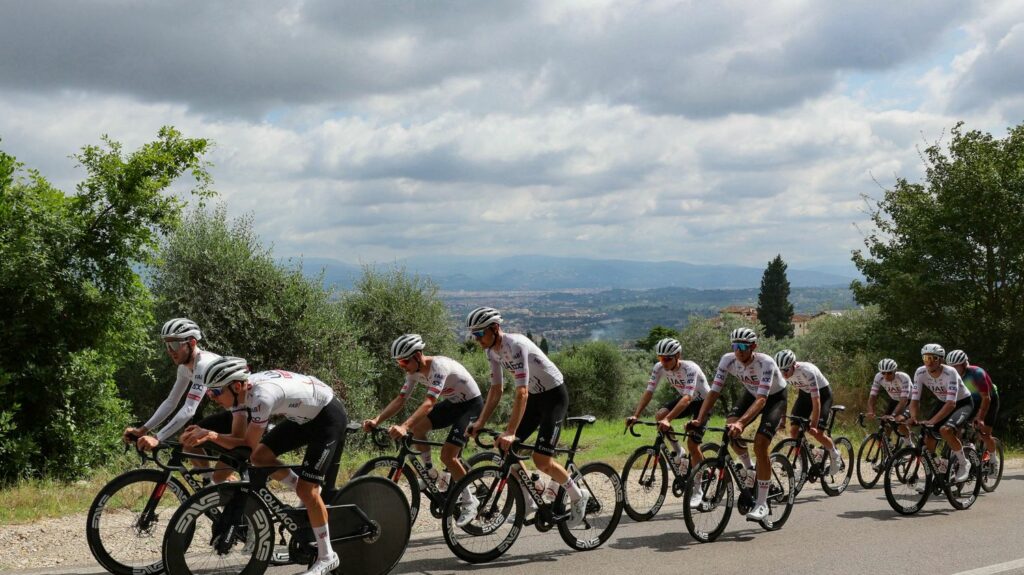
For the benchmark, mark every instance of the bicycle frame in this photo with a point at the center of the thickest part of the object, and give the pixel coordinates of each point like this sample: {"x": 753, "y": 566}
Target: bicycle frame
{"x": 660, "y": 447}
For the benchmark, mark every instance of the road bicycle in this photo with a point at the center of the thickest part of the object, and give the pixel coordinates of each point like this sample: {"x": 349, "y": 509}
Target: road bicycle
{"x": 411, "y": 475}
{"x": 230, "y": 528}
{"x": 877, "y": 448}
{"x": 717, "y": 478}
{"x": 992, "y": 465}
{"x": 501, "y": 513}
{"x": 914, "y": 473}
{"x": 126, "y": 521}
{"x": 811, "y": 464}
{"x": 645, "y": 474}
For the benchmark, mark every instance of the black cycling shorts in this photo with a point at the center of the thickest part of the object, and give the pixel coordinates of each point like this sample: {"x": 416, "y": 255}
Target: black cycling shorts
{"x": 691, "y": 412}
{"x": 771, "y": 414}
{"x": 803, "y": 406}
{"x": 456, "y": 415}
{"x": 544, "y": 414}
{"x": 993, "y": 408}
{"x": 960, "y": 415}
{"x": 324, "y": 438}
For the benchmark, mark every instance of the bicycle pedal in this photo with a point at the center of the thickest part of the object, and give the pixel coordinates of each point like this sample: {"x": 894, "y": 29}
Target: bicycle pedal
{"x": 281, "y": 558}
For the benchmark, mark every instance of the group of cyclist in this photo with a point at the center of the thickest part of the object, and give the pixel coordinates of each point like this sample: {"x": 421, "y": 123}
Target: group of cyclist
{"x": 315, "y": 418}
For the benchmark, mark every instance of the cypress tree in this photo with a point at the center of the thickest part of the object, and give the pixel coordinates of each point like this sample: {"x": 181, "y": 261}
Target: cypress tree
{"x": 773, "y": 308}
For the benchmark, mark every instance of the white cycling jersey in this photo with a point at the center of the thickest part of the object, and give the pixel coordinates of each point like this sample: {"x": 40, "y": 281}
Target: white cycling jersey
{"x": 190, "y": 381}
{"x": 528, "y": 364}
{"x": 898, "y": 389}
{"x": 808, "y": 378}
{"x": 448, "y": 379}
{"x": 761, "y": 376}
{"x": 687, "y": 379}
{"x": 297, "y": 397}
{"x": 947, "y": 387}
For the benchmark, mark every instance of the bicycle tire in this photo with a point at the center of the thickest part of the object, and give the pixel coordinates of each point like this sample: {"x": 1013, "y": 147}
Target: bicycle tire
{"x": 644, "y": 493}
{"x": 384, "y": 504}
{"x": 963, "y": 495}
{"x": 908, "y": 481}
{"x": 717, "y": 486}
{"x": 797, "y": 457}
{"x": 408, "y": 481}
{"x": 604, "y": 508}
{"x": 836, "y": 484}
{"x": 483, "y": 458}
{"x": 781, "y": 493}
{"x": 126, "y": 495}
{"x": 992, "y": 470}
{"x": 486, "y": 537}
{"x": 189, "y": 543}
{"x": 870, "y": 461}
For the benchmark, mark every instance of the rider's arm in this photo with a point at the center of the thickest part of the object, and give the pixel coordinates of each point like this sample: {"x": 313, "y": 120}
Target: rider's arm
{"x": 192, "y": 401}
{"x": 181, "y": 383}
{"x": 521, "y": 394}
{"x": 421, "y": 411}
{"x": 391, "y": 408}
{"x": 986, "y": 400}
{"x": 709, "y": 403}
{"x": 815, "y": 411}
{"x": 755, "y": 408}
{"x": 493, "y": 397}
{"x": 872, "y": 399}
{"x": 652, "y": 384}
{"x": 644, "y": 400}
{"x": 680, "y": 407}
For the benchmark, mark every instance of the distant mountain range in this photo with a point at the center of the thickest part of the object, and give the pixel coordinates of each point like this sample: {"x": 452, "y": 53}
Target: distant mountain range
{"x": 545, "y": 273}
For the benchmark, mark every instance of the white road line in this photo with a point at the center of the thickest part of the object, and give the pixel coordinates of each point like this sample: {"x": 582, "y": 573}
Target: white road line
{"x": 1016, "y": 566}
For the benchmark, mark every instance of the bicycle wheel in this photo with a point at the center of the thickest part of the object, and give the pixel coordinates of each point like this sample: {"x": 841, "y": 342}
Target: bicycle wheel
{"x": 908, "y": 481}
{"x": 483, "y": 458}
{"x": 707, "y": 521}
{"x": 797, "y": 458}
{"x": 124, "y": 536}
{"x": 870, "y": 461}
{"x": 604, "y": 508}
{"x": 645, "y": 483}
{"x": 781, "y": 492}
{"x": 384, "y": 505}
{"x": 220, "y": 529}
{"x": 836, "y": 484}
{"x": 498, "y": 521}
{"x": 406, "y": 479}
{"x": 992, "y": 470}
{"x": 962, "y": 495}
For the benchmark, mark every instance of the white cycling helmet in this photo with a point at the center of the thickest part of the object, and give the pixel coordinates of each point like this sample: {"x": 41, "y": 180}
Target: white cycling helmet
{"x": 887, "y": 365}
{"x": 956, "y": 357}
{"x": 786, "y": 359}
{"x": 743, "y": 335}
{"x": 180, "y": 328}
{"x": 222, "y": 371}
{"x": 406, "y": 346}
{"x": 668, "y": 346}
{"x": 482, "y": 317}
{"x": 933, "y": 349}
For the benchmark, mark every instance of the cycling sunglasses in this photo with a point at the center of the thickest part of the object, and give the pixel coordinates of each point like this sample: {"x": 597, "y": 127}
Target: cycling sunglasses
{"x": 478, "y": 333}
{"x": 741, "y": 346}
{"x": 175, "y": 345}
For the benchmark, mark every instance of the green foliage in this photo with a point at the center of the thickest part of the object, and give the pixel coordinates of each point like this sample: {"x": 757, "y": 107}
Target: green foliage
{"x": 657, "y": 333}
{"x": 386, "y": 304}
{"x": 596, "y": 376}
{"x": 944, "y": 262}
{"x": 774, "y": 310}
{"x": 544, "y": 345}
{"x": 73, "y": 305}
{"x": 217, "y": 273}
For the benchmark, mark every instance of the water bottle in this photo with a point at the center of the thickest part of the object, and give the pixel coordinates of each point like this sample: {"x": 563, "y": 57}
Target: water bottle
{"x": 817, "y": 454}
{"x": 550, "y": 491}
{"x": 443, "y": 479}
{"x": 539, "y": 484}
{"x": 941, "y": 464}
{"x": 431, "y": 473}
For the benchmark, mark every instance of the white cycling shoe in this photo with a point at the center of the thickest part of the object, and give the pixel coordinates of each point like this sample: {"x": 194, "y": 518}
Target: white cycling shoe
{"x": 697, "y": 499}
{"x": 324, "y": 565}
{"x": 835, "y": 466}
{"x": 962, "y": 473}
{"x": 467, "y": 509}
{"x": 579, "y": 509}
{"x": 758, "y": 513}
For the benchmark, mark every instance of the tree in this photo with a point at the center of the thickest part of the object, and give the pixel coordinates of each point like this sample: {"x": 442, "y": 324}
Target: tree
{"x": 544, "y": 344}
{"x": 386, "y": 304}
{"x": 657, "y": 333}
{"x": 773, "y": 308}
{"x": 944, "y": 262}
{"x": 595, "y": 377}
{"x": 74, "y": 309}
{"x": 217, "y": 273}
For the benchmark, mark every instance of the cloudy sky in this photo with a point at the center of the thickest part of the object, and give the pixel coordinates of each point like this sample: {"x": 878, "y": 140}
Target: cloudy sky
{"x": 707, "y": 132}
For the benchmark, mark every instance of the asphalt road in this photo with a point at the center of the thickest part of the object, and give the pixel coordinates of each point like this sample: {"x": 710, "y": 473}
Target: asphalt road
{"x": 855, "y": 533}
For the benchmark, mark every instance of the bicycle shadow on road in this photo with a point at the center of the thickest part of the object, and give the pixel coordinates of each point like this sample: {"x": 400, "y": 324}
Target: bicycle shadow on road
{"x": 889, "y": 514}
{"x": 454, "y": 565}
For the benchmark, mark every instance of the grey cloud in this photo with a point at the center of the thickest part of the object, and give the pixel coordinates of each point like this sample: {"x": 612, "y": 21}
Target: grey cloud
{"x": 997, "y": 73}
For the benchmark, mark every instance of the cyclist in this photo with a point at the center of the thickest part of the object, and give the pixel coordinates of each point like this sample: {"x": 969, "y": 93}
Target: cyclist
{"x": 314, "y": 418}
{"x": 984, "y": 393}
{"x": 687, "y": 378}
{"x": 764, "y": 395}
{"x": 181, "y": 341}
{"x": 540, "y": 402}
{"x": 443, "y": 377}
{"x": 954, "y": 411}
{"x": 897, "y": 385}
{"x": 813, "y": 402}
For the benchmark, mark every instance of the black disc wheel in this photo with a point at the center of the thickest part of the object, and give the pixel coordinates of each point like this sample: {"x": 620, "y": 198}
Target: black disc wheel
{"x": 377, "y": 507}
{"x": 404, "y": 476}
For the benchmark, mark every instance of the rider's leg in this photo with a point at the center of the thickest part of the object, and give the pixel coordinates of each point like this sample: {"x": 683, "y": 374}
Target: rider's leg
{"x": 420, "y": 431}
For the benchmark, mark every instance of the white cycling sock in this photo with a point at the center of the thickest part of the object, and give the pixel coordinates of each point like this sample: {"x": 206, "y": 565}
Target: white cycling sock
{"x": 961, "y": 458}
{"x": 745, "y": 458}
{"x": 292, "y": 481}
{"x": 762, "y": 491}
{"x": 573, "y": 490}
{"x": 676, "y": 446}
{"x": 323, "y": 541}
